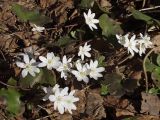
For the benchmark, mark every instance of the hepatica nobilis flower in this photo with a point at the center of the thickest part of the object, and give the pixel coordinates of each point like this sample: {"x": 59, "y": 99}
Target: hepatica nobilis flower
{"x": 49, "y": 91}
{"x": 51, "y": 61}
{"x": 81, "y": 72}
{"x": 144, "y": 43}
{"x": 37, "y": 28}
{"x": 90, "y": 21}
{"x": 63, "y": 101}
{"x": 65, "y": 67}
{"x": 84, "y": 51}
{"x": 135, "y": 45}
{"x": 94, "y": 70}
{"x": 28, "y": 66}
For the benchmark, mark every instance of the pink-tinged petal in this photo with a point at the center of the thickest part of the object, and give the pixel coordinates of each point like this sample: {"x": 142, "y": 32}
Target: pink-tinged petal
{"x": 75, "y": 99}
{"x": 50, "y": 55}
{"x": 79, "y": 66}
{"x": 92, "y": 15}
{"x": 32, "y": 61}
{"x": 132, "y": 38}
{"x": 43, "y": 59}
{"x": 89, "y": 12}
{"x": 49, "y": 67}
{"x": 95, "y": 21}
{"x": 64, "y": 59}
{"x": 85, "y": 16}
{"x": 94, "y": 26}
{"x": 64, "y": 91}
{"x": 100, "y": 69}
{"x": 82, "y": 57}
{"x": 32, "y": 73}
{"x": 26, "y": 58}
{"x": 90, "y": 27}
{"x": 141, "y": 35}
{"x": 24, "y": 73}
{"x": 37, "y": 70}
{"x": 52, "y": 98}
{"x": 72, "y": 92}
{"x": 95, "y": 64}
{"x": 61, "y": 109}
{"x": 118, "y": 37}
{"x": 87, "y": 54}
{"x": 20, "y": 64}
{"x": 86, "y": 79}
{"x": 42, "y": 64}
{"x": 45, "y": 89}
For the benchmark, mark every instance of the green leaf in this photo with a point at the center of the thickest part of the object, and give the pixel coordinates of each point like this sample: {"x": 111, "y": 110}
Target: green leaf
{"x": 44, "y": 76}
{"x": 28, "y": 15}
{"x": 149, "y": 66}
{"x": 113, "y": 81}
{"x": 140, "y": 16}
{"x": 158, "y": 59}
{"x": 101, "y": 61}
{"x": 87, "y": 3}
{"x": 154, "y": 91}
{"x": 64, "y": 41}
{"x": 104, "y": 89}
{"x": 49, "y": 77}
{"x": 13, "y": 100}
{"x": 12, "y": 82}
{"x": 156, "y": 76}
{"x": 108, "y": 27}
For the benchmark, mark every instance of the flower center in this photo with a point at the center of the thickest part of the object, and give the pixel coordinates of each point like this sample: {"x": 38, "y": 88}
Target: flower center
{"x": 68, "y": 101}
{"x": 89, "y": 20}
{"x": 49, "y": 61}
{"x": 59, "y": 98}
{"x": 82, "y": 74}
{"x": 28, "y": 67}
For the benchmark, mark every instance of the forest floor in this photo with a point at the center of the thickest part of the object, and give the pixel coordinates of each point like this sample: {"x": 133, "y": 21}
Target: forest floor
{"x": 129, "y": 87}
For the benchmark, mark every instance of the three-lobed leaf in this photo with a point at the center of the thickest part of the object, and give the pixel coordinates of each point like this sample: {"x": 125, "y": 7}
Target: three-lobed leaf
{"x": 13, "y": 100}
{"x": 108, "y": 26}
{"x": 28, "y": 15}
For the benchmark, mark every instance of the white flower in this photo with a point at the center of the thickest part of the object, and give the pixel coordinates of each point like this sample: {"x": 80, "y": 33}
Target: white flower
{"x": 131, "y": 44}
{"x": 28, "y": 66}
{"x": 58, "y": 99}
{"x": 69, "y": 102}
{"x": 144, "y": 42}
{"x": 65, "y": 67}
{"x": 82, "y": 72}
{"x": 84, "y": 51}
{"x": 121, "y": 39}
{"x": 95, "y": 70}
{"x": 90, "y": 21}
{"x": 49, "y": 91}
{"x": 63, "y": 101}
{"x": 38, "y": 28}
{"x": 51, "y": 61}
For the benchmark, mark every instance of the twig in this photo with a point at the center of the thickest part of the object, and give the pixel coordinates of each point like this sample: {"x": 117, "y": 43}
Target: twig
{"x": 41, "y": 118}
{"x": 144, "y": 68}
{"x": 128, "y": 57}
{"x": 13, "y": 86}
{"x": 3, "y": 55}
{"x": 144, "y": 2}
{"x": 150, "y": 8}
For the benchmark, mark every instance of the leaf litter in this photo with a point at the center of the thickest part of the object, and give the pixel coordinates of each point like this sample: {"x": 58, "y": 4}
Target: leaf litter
{"x": 124, "y": 81}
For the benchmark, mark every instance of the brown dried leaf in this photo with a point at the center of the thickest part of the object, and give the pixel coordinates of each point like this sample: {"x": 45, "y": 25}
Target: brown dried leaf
{"x": 94, "y": 106}
{"x": 150, "y": 104}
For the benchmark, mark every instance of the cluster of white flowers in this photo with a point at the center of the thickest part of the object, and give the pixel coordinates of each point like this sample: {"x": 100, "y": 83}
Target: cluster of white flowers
{"x": 53, "y": 62}
{"x": 135, "y": 45}
{"x": 63, "y": 100}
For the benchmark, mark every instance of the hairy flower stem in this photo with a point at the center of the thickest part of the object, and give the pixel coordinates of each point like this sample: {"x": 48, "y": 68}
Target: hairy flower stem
{"x": 144, "y": 66}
